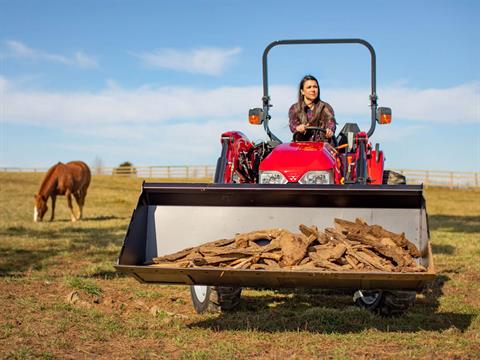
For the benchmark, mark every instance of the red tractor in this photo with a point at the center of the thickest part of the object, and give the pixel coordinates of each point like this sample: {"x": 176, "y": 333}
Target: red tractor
{"x": 352, "y": 161}
{"x": 281, "y": 185}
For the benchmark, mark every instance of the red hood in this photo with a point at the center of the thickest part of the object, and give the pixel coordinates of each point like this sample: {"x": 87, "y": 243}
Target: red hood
{"x": 296, "y": 158}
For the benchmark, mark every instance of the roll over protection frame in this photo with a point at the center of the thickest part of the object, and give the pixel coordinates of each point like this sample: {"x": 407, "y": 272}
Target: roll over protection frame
{"x": 266, "y": 97}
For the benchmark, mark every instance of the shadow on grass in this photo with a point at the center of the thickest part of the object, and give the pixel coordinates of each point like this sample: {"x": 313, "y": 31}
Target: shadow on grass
{"x": 443, "y": 249}
{"x": 108, "y": 275}
{"x": 18, "y": 261}
{"x": 100, "y": 243}
{"x": 332, "y": 311}
{"x": 91, "y": 218}
{"x": 465, "y": 224}
{"x": 104, "y": 217}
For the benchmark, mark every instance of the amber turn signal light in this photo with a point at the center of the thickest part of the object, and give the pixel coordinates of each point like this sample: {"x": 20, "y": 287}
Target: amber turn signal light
{"x": 255, "y": 116}
{"x": 254, "y": 119}
{"x": 384, "y": 115}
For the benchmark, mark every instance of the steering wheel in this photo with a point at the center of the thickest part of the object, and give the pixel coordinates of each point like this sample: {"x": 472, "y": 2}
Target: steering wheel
{"x": 324, "y": 131}
{"x": 316, "y": 128}
{"x": 313, "y": 128}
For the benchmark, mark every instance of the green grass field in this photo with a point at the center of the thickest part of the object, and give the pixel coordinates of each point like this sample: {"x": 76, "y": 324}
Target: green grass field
{"x": 60, "y": 296}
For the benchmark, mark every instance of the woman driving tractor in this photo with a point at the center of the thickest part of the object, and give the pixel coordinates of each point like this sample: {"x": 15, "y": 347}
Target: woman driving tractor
{"x": 310, "y": 118}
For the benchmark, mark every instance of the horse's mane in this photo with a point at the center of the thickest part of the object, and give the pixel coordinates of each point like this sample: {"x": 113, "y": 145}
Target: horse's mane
{"x": 47, "y": 178}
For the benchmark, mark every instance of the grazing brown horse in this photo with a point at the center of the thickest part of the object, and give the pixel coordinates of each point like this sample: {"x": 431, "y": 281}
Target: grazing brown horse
{"x": 67, "y": 179}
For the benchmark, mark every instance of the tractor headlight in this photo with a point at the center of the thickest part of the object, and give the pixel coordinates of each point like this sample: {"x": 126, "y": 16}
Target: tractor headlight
{"x": 272, "y": 177}
{"x": 317, "y": 177}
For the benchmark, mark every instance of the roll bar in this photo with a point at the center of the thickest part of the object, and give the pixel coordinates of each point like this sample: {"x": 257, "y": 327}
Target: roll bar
{"x": 266, "y": 97}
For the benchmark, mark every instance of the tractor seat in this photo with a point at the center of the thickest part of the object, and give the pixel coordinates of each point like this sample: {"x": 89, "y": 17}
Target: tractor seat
{"x": 342, "y": 137}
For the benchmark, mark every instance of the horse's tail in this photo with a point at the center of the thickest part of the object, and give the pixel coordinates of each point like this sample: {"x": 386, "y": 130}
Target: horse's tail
{"x": 88, "y": 173}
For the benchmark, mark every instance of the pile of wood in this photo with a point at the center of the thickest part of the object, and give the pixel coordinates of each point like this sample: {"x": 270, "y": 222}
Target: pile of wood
{"x": 349, "y": 246}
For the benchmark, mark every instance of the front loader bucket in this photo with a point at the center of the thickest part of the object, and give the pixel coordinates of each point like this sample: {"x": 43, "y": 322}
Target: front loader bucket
{"x": 172, "y": 217}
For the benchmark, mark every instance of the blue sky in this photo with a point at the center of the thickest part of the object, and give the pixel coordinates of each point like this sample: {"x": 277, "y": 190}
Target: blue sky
{"x": 157, "y": 82}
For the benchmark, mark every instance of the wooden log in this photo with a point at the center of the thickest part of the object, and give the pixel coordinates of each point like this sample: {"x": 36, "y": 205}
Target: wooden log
{"x": 259, "y": 267}
{"x": 322, "y": 238}
{"x": 352, "y": 261}
{"x": 310, "y": 265}
{"x": 309, "y": 230}
{"x": 385, "y": 262}
{"x": 397, "y": 254}
{"x": 329, "y": 254}
{"x": 348, "y": 246}
{"x": 171, "y": 264}
{"x": 361, "y": 227}
{"x": 322, "y": 247}
{"x": 180, "y": 254}
{"x": 245, "y": 264}
{"x": 367, "y": 260}
{"x": 274, "y": 256}
{"x": 173, "y": 257}
{"x": 337, "y": 237}
{"x": 294, "y": 247}
{"x": 212, "y": 260}
{"x": 272, "y": 264}
{"x": 398, "y": 239}
{"x": 244, "y": 240}
{"x": 305, "y": 260}
{"x": 326, "y": 264}
{"x": 212, "y": 251}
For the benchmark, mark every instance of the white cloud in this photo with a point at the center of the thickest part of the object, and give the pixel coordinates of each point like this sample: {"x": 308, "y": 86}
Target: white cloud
{"x": 454, "y": 104}
{"x": 209, "y": 61}
{"x": 117, "y": 106}
{"x": 84, "y": 60}
{"x": 19, "y": 49}
{"x": 161, "y": 125}
{"x": 16, "y": 49}
{"x": 115, "y": 110}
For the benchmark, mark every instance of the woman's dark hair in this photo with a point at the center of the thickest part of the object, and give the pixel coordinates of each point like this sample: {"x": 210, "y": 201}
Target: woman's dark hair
{"x": 300, "y": 88}
{"x": 300, "y": 106}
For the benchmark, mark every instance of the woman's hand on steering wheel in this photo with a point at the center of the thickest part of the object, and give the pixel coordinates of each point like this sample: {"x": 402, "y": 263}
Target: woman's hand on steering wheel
{"x": 328, "y": 132}
{"x": 301, "y": 128}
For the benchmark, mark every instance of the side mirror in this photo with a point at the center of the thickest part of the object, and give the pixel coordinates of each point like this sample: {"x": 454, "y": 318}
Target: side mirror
{"x": 255, "y": 116}
{"x": 384, "y": 115}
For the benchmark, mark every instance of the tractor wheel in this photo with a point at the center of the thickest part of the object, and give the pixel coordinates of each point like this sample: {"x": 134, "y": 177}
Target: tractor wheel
{"x": 367, "y": 299}
{"x": 214, "y": 298}
{"x": 393, "y": 178}
{"x": 385, "y": 302}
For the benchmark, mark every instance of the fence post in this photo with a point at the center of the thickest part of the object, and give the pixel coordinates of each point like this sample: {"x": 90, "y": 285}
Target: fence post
{"x": 427, "y": 179}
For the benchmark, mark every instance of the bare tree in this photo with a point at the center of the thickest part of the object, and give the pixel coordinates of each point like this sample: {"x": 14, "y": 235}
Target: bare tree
{"x": 97, "y": 165}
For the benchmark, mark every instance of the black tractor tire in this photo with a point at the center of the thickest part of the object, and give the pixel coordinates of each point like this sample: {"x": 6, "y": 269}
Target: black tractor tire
{"x": 393, "y": 178}
{"x": 215, "y": 298}
{"x": 385, "y": 302}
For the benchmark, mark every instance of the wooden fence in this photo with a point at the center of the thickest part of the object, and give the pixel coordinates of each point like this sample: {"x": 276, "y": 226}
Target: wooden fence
{"x": 450, "y": 179}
